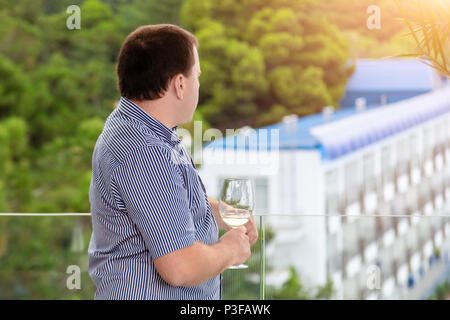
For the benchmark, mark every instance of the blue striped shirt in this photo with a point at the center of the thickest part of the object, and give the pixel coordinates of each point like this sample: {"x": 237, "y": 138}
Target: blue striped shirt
{"x": 147, "y": 200}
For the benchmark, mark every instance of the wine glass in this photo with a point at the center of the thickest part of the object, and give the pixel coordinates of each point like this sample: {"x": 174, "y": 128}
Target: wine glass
{"x": 236, "y": 204}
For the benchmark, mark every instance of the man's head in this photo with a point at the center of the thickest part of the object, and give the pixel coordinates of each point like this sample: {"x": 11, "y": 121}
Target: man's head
{"x": 160, "y": 62}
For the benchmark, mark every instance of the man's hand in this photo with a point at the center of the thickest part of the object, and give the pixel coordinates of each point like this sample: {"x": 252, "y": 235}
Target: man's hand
{"x": 237, "y": 242}
{"x": 252, "y": 231}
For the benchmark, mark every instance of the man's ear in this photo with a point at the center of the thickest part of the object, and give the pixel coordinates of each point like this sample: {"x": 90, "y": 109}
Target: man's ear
{"x": 179, "y": 84}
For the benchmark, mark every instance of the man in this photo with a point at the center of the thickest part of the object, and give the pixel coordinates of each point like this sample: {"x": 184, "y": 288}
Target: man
{"x": 155, "y": 231}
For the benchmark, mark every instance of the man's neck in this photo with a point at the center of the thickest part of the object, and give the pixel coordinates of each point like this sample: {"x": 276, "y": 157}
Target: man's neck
{"x": 158, "y": 110}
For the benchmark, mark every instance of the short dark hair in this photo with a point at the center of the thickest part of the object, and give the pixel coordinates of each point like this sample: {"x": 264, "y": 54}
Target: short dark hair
{"x": 152, "y": 55}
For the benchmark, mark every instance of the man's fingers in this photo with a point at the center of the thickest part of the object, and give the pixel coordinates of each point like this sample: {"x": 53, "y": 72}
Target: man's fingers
{"x": 252, "y": 231}
{"x": 253, "y": 238}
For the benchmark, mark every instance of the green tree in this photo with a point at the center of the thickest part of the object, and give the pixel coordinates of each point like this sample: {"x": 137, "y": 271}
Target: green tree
{"x": 265, "y": 57}
{"x": 11, "y": 86}
{"x": 14, "y": 164}
{"x": 66, "y": 190}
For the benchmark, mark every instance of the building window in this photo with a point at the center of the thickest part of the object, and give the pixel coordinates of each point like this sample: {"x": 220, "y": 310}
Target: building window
{"x": 402, "y": 168}
{"x": 368, "y": 230}
{"x": 350, "y": 247}
{"x": 332, "y": 201}
{"x": 385, "y": 264}
{"x": 332, "y": 192}
{"x": 352, "y": 190}
{"x": 402, "y": 152}
{"x": 414, "y": 161}
{"x": 386, "y": 165}
{"x": 412, "y": 202}
{"x": 439, "y": 147}
{"x": 370, "y": 183}
{"x": 427, "y": 167}
{"x": 445, "y": 142}
{"x": 333, "y": 254}
{"x": 425, "y": 199}
{"x": 387, "y": 173}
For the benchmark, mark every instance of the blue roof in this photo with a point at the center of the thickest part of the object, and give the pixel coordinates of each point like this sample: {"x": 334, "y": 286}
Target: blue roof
{"x": 347, "y": 130}
{"x": 389, "y": 75}
{"x": 302, "y": 139}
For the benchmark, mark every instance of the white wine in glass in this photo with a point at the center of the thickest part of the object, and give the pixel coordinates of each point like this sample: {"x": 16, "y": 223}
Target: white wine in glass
{"x": 236, "y": 204}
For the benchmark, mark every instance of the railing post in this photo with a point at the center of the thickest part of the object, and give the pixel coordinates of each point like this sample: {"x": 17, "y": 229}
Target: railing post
{"x": 262, "y": 253}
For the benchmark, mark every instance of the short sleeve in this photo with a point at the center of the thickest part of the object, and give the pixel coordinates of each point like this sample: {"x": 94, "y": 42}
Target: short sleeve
{"x": 152, "y": 190}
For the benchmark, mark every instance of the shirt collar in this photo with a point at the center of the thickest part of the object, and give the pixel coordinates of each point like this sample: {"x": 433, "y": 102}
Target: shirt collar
{"x": 132, "y": 110}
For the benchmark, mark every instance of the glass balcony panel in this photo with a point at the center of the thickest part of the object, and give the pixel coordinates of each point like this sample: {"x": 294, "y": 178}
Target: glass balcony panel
{"x": 294, "y": 258}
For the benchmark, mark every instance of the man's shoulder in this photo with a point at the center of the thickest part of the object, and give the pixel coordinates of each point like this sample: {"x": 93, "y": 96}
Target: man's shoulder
{"x": 124, "y": 136}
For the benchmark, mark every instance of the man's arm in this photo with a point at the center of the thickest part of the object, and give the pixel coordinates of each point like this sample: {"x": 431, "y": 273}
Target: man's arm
{"x": 200, "y": 262}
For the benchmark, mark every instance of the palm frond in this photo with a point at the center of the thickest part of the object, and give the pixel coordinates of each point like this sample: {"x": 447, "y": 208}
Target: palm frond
{"x": 428, "y": 22}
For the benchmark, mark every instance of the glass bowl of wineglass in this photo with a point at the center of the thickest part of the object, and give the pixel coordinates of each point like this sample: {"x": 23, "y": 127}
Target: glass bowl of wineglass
{"x": 236, "y": 203}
